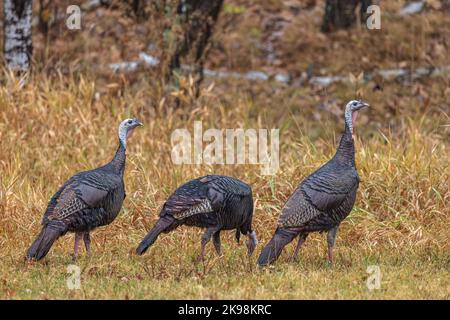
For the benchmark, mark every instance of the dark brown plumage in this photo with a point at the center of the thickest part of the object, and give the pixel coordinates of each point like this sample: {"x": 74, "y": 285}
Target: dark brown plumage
{"x": 212, "y": 202}
{"x": 322, "y": 200}
{"x": 86, "y": 201}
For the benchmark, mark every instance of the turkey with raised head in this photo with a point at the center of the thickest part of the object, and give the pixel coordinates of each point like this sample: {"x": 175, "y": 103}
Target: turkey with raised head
{"x": 322, "y": 200}
{"x": 213, "y": 202}
{"x": 86, "y": 201}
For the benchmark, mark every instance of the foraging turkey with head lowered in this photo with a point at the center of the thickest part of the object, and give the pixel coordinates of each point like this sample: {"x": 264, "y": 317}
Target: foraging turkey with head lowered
{"x": 323, "y": 200}
{"x": 213, "y": 202}
{"x": 86, "y": 201}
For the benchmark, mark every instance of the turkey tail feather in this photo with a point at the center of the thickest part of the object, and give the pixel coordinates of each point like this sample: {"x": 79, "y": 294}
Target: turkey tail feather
{"x": 45, "y": 240}
{"x": 273, "y": 249}
{"x": 161, "y": 225}
{"x": 238, "y": 235}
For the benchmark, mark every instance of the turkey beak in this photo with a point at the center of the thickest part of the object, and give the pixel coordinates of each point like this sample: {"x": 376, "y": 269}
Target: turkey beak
{"x": 363, "y": 105}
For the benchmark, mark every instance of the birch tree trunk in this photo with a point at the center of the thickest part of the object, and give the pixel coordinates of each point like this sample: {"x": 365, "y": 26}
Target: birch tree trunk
{"x": 17, "y": 34}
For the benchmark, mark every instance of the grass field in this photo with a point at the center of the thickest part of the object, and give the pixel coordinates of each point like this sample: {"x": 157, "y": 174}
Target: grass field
{"x": 400, "y": 222}
{"x": 55, "y": 124}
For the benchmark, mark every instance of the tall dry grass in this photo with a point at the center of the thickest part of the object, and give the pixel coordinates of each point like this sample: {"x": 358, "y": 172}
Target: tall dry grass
{"x": 52, "y": 127}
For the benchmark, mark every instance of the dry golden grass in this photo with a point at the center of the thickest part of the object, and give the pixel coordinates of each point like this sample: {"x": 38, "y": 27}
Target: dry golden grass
{"x": 53, "y": 127}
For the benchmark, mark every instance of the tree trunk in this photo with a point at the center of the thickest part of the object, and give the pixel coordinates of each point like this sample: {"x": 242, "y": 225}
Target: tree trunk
{"x": 341, "y": 14}
{"x": 199, "y": 17}
{"x": 17, "y": 34}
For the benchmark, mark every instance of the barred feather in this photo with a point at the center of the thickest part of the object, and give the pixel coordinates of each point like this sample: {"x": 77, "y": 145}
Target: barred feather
{"x": 214, "y": 202}
{"x": 87, "y": 200}
{"x": 320, "y": 202}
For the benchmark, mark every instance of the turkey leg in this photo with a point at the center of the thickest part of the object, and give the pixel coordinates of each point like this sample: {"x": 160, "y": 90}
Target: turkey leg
{"x": 331, "y": 238}
{"x": 78, "y": 236}
{"x": 87, "y": 242}
{"x": 216, "y": 242}
{"x": 301, "y": 239}
{"x": 205, "y": 239}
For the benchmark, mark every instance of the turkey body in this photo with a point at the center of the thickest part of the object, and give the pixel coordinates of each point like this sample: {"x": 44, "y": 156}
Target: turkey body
{"x": 213, "y": 202}
{"x": 88, "y": 200}
{"x": 322, "y": 200}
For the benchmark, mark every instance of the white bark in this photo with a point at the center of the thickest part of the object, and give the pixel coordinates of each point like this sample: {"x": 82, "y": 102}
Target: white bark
{"x": 17, "y": 34}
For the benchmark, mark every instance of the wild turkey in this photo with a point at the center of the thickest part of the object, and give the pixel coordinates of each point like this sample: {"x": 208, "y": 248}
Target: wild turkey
{"x": 213, "y": 202}
{"x": 322, "y": 200}
{"x": 87, "y": 200}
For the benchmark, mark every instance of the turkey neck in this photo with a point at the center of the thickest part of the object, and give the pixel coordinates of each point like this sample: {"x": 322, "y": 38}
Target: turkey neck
{"x": 345, "y": 154}
{"x": 118, "y": 162}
